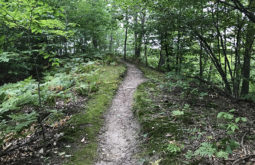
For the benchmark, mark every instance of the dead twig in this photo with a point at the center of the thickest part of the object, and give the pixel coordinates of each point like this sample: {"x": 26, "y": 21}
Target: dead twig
{"x": 242, "y": 141}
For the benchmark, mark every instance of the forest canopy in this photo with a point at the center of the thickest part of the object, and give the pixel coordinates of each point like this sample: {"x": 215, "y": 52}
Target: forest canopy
{"x": 209, "y": 39}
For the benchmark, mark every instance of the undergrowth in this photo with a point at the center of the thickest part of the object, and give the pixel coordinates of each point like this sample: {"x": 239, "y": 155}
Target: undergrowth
{"x": 185, "y": 122}
{"x": 63, "y": 84}
{"x": 67, "y": 116}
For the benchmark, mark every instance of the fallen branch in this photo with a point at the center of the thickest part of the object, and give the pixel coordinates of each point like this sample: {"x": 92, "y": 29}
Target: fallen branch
{"x": 243, "y": 158}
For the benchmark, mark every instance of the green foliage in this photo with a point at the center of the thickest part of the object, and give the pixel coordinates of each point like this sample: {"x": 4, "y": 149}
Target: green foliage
{"x": 55, "y": 115}
{"x": 230, "y": 122}
{"x": 173, "y": 148}
{"x": 206, "y": 150}
{"x": 58, "y": 82}
{"x": 32, "y": 15}
{"x": 202, "y": 95}
{"x": 85, "y": 88}
{"x": 225, "y": 115}
{"x": 22, "y": 121}
{"x": 6, "y": 56}
{"x": 153, "y": 61}
{"x": 222, "y": 154}
{"x": 177, "y": 113}
{"x": 228, "y": 145}
{"x": 13, "y": 97}
{"x": 189, "y": 154}
{"x": 15, "y": 124}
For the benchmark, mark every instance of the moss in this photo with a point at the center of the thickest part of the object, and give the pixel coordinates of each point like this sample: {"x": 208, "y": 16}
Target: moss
{"x": 152, "y": 74}
{"x": 89, "y": 121}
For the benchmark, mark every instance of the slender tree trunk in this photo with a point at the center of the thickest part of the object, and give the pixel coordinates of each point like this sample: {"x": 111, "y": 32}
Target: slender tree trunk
{"x": 215, "y": 61}
{"x": 161, "y": 59}
{"x": 126, "y": 36}
{"x": 210, "y": 73}
{"x": 247, "y": 54}
{"x": 237, "y": 69}
{"x": 145, "y": 52}
{"x": 136, "y": 36}
{"x": 111, "y": 42}
{"x": 167, "y": 53}
{"x": 201, "y": 47}
{"x": 139, "y": 35}
{"x": 247, "y": 59}
{"x": 178, "y": 54}
{"x": 201, "y": 62}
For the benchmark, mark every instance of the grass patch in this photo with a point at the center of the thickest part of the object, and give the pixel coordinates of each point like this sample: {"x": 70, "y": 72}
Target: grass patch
{"x": 92, "y": 117}
{"x": 152, "y": 74}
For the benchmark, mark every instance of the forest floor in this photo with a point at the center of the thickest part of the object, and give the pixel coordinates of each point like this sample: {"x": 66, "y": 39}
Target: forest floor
{"x": 150, "y": 118}
{"x": 76, "y": 97}
{"x": 119, "y": 136}
{"x": 184, "y": 121}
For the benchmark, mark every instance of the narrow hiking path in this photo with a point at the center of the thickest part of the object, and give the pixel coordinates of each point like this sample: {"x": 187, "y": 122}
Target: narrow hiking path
{"x": 118, "y": 139}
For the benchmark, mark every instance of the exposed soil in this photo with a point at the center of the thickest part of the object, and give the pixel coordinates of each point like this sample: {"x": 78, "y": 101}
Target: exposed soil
{"x": 119, "y": 136}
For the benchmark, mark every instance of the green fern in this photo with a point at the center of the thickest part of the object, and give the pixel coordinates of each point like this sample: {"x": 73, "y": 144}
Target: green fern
{"x": 222, "y": 154}
{"x": 55, "y": 84}
{"x": 205, "y": 150}
{"x": 173, "y": 148}
{"x": 22, "y": 120}
{"x": 177, "y": 113}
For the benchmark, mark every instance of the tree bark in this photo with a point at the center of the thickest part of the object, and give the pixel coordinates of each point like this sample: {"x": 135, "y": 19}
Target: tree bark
{"x": 111, "y": 42}
{"x": 237, "y": 69}
{"x": 247, "y": 55}
{"x": 126, "y": 36}
{"x": 161, "y": 59}
{"x": 145, "y": 53}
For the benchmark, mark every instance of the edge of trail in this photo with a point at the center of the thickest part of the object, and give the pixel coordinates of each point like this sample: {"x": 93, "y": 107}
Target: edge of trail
{"x": 118, "y": 138}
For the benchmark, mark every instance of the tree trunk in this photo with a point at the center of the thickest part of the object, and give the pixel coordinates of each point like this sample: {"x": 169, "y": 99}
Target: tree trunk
{"x": 161, "y": 59}
{"x": 126, "y": 37}
{"x": 247, "y": 55}
{"x": 215, "y": 61}
{"x": 237, "y": 69}
{"x": 111, "y": 42}
{"x": 178, "y": 54}
{"x": 136, "y": 35}
{"x": 145, "y": 53}
{"x": 201, "y": 62}
{"x": 139, "y": 32}
{"x": 167, "y": 53}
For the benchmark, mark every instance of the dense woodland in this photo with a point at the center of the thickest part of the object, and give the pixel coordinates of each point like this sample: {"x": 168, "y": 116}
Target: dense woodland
{"x": 53, "y": 52}
{"x": 209, "y": 39}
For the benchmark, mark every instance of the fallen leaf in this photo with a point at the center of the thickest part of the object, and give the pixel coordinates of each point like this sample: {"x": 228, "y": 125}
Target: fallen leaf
{"x": 68, "y": 156}
{"x": 83, "y": 140}
{"x": 61, "y": 153}
{"x": 41, "y": 151}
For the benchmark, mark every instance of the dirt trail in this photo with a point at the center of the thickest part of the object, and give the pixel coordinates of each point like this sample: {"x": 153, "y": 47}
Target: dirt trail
{"x": 118, "y": 139}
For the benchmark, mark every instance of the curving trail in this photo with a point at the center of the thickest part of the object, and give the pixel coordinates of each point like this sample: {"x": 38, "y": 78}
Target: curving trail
{"x": 118, "y": 139}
